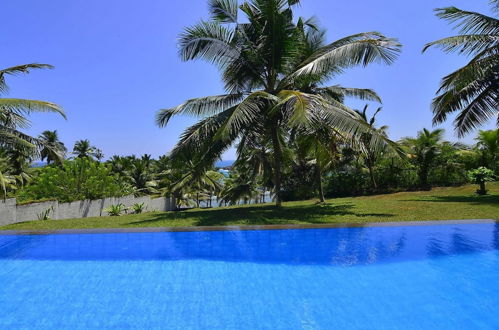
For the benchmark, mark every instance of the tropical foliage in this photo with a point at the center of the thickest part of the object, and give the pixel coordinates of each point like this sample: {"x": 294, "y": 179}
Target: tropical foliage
{"x": 480, "y": 176}
{"x": 274, "y": 67}
{"x": 83, "y": 149}
{"x": 52, "y": 150}
{"x": 74, "y": 180}
{"x": 472, "y": 90}
{"x": 294, "y": 134}
{"x": 17, "y": 149}
{"x": 14, "y": 111}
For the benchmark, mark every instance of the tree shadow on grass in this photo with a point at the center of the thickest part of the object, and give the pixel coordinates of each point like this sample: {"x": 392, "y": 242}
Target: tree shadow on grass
{"x": 261, "y": 215}
{"x": 469, "y": 199}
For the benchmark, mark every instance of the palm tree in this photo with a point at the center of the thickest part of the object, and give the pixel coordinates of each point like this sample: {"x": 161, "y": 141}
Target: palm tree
{"x": 53, "y": 150}
{"x": 488, "y": 144}
{"x": 83, "y": 149}
{"x": 318, "y": 147}
{"x": 98, "y": 154}
{"x": 240, "y": 186}
{"x": 472, "y": 90}
{"x": 141, "y": 177}
{"x": 254, "y": 161}
{"x": 262, "y": 64}
{"x": 7, "y": 181}
{"x": 121, "y": 165}
{"x": 13, "y": 111}
{"x": 371, "y": 155}
{"x": 199, "y": 181}
{"x": 423, "y": 150}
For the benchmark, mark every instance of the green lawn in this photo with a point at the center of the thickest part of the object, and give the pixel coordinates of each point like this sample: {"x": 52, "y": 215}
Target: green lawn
{"x": 438, "y": 204}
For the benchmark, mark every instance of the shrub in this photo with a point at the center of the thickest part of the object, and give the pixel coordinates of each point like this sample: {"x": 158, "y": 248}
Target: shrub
{"x": 138, "y": 208}
{"x": 480, "y": 176}
{"x": 77, "y": 179}
{"x": 45, "y": 215}
{"x": 116, "y": 210}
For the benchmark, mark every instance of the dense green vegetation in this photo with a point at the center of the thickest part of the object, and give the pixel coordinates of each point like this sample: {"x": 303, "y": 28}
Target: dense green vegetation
{"x": 74, "y": 180}
{"x": 295, "y": 136}
{"x": 439, "y": 204}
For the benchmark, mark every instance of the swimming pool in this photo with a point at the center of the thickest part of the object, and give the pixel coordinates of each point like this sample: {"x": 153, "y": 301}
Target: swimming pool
{"x": 412, "y": 277}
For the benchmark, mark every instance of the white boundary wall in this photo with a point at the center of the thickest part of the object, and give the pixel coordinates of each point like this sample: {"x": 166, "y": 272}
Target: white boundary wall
{"x": 10, "y": 212}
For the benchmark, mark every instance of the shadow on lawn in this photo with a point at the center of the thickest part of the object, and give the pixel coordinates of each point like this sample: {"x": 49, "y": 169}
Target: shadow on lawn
{"x": 262, "y": 215}
{"x": 470, "y": 199}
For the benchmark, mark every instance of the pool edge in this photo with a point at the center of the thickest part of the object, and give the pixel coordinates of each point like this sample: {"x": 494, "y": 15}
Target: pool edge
{"x": 248, "y": 227}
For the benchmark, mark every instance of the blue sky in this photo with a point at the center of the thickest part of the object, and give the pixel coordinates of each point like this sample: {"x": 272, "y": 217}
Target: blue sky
{"x": 117, "y": 64}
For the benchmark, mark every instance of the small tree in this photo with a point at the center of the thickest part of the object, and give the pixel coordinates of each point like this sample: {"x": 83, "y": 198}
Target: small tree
{"x": 480, "y": 176}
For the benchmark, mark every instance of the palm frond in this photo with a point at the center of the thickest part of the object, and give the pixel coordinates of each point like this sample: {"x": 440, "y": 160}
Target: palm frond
{"x": 245, "y": 113}
{"x": 464, "y": 44}
{"x": 348, "y": 123}
{"x": 25, "y": 68}
{"x": 358, "y": 49}
{"x": 224, "y": 10}
{"x": 470, "y": 90}
{"x": 468, "y": 21}
{"x": 202, "y": 106}
{"x": 339, "y": 92}
{"x": 12, "y": 138}
{"x": 29, "y": 106}
{"x": 210, "y": 41}
{"x": 200, "y": 137}
{"x": 481, "y": 108}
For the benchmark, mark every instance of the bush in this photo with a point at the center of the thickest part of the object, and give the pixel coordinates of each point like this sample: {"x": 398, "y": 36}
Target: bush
{"x": 45, "y": 215}
{"x": 480, "y": 176}
{"x": 77, "y": 179}
{"x": 116, "y": 210}
{"x": 138, "y": 208}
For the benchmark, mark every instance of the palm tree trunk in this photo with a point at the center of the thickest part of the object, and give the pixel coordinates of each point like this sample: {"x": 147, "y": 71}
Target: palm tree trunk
{"x": 373, "y": 179}
{"x": 277, "y": 166}
{"x": 423, "y": 178}
{"x": 482, "y": 190}
{"x": 319, "y": 183}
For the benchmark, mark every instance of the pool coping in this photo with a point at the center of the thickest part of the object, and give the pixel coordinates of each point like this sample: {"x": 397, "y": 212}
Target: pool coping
{"x": 246, "y": 227}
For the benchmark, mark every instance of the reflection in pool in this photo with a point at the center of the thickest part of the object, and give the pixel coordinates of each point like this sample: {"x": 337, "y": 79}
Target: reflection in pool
{"x": 428, "y": 276}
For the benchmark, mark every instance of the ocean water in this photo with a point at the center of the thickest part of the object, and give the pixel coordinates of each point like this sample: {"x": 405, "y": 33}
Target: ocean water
{"x": 400, "y": 277}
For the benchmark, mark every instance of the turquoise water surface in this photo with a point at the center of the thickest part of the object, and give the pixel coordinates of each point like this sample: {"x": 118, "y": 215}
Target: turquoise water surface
{"x": 400, "y": 277}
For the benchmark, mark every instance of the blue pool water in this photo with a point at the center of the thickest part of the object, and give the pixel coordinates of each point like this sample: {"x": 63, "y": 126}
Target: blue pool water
{"x": 401, "y": 277}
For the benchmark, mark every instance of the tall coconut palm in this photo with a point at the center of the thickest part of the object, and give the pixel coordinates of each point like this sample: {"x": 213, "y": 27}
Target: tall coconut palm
{"x": 318, "y": 147}
{"x": 13, "y": 111}
{"x": 262, "y": 64}
{"x": 53, "y": 150}
{"x": 472, "y": 90}
{"x": 370, "y": 155}
{"x": 423, "y": 151}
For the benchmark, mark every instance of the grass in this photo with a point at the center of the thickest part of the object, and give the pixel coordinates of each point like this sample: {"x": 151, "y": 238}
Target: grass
{"x": 438, "y": 204}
